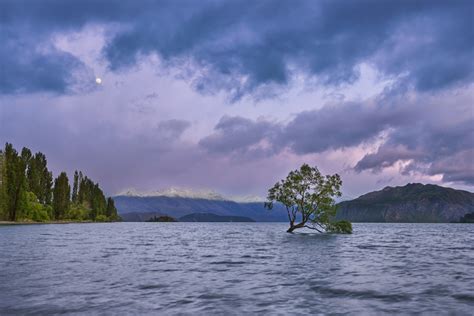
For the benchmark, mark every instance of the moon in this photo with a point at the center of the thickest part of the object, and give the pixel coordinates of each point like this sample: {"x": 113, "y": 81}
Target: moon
{"x": 98, "y": 80}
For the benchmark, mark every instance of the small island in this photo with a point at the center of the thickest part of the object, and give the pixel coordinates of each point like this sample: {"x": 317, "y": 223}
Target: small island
{"x": 468, "y": 218}
{"x": 28, "y": 193}
{"x": 164, "y": 219}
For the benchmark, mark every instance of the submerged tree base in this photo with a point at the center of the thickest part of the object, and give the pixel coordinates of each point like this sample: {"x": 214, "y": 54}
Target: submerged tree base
{"x": 340, "y": 227}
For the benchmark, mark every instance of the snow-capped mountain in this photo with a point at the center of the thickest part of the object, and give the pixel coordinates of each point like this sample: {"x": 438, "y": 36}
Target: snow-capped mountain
{"x": 191, "y": 194}
{"x": 174, "y": 192}
{"x": 247, "y": 199}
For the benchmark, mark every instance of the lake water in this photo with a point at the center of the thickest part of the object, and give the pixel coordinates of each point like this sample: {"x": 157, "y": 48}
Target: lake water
{"x": 235, "y": 268}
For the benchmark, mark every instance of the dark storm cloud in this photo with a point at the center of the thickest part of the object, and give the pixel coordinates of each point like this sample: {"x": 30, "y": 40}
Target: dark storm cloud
{"x": 344, "y": 125}
{"x": 29, "y": 60}
{"x": 27, "y": 66}
{"x": 261, "y": 41}
{"x": 240, "y": 46}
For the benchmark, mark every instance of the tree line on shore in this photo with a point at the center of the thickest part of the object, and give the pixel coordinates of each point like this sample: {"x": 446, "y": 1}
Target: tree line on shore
{"x": 28, "y": 191}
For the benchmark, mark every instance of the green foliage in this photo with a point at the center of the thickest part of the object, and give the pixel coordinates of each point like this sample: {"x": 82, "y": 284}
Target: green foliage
{"x": 75, "y": 187}
{"x": 40, "y": 179}
{"x": 308, "y": 197}
{"x": 111, "y": 211}
{"x": 15, "y": 182}
{"x": 27, "y": 193}
{"x": 77, "y": 213}
{"x": 3, "y": 193}
{"x": 101, "y": 218}
{"x": 36, "y": 211}
{"x": 61, "y": 196}
{"x": 340, "y": 227}
{"x": 91, "y": 197}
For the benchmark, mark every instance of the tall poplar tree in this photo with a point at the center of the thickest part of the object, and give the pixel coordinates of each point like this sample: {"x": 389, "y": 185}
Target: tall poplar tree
{"x": 3, "y": 194}
{"x": 75, "y": 187}
{"x": 46, "y": 181}
{"x": 39, "y": 178}
{"x": 61, "y": 196}
{"x": 15, "y": 182}
{"x": 111, "y": 211}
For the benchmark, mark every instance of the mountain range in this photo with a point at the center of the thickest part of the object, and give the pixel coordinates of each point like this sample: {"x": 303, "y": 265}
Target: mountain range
{"x": 191, "y": 194}
{"x": 142, "y": 207}
{"x": 413, "y": 202}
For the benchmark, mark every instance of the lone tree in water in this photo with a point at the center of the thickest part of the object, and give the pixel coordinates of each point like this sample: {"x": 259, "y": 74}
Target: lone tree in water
{"x": 309, "y": 198}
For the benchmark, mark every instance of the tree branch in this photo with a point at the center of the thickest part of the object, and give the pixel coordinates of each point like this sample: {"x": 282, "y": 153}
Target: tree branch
{"x": 293, "y": 212}
{"x": 312, "y": 227}
{"x": 320, "y": 225}
{"x": 288, "y": 212}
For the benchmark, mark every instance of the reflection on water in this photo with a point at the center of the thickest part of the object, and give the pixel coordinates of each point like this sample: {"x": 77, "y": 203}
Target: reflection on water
{"x": 235, "y": 268}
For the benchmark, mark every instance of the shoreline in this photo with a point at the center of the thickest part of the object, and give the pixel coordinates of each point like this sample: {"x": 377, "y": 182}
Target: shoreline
{"x": 10, "y": 223}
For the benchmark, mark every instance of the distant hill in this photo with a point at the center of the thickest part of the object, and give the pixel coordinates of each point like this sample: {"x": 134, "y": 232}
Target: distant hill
{"x": 162, "y": 219}
{"x": 209, "y": 217}
{"x": 468, "y": 218}
{"x": 413, "y": 202}
{"x": 139, "y": 217}
{"x": 141, "y": 208}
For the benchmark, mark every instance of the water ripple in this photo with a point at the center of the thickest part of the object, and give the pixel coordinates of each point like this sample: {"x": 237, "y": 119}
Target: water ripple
{"x": 235, "y": 268}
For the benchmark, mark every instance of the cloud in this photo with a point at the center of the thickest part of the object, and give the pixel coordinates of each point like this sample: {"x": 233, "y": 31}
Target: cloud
{"x": 386, "y": 156}
{"x": 262, "y": 43}
{"x": 427, "y": 132}
{"x": 242, "y": 47}
{"x": 458, "y": 167}
{"x": 328, "y": 128}
{"x": 430, "y": 148}
{"x": 172, "y": 130}
{"x": 242, "y": 137}
{"x": 29, "y": 67}
{"x": 338, "y": 126}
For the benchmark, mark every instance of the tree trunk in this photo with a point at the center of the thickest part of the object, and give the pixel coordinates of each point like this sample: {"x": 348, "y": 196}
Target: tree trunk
{"x": 13, "y": 211}
{"x": 293, "y": 227}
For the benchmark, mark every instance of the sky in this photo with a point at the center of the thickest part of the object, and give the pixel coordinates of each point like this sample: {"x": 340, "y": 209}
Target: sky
{"x": 232, "y": 95}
